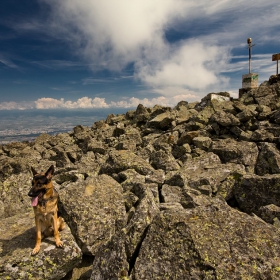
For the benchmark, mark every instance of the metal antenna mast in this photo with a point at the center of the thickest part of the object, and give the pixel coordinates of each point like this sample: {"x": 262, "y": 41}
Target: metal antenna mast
{"x": 250, "y": 46}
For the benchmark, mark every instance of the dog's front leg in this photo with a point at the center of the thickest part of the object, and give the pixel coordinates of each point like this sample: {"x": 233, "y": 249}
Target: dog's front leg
{"x": 38, "y": 236}
{"x": 58, "y": 242}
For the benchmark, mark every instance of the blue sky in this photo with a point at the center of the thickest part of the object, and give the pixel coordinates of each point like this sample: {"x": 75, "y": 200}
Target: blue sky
{"x": 102, "y": 54}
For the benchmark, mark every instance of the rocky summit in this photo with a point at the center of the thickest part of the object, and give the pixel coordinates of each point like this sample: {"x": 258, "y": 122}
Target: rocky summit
{"x": 190, "y": 192}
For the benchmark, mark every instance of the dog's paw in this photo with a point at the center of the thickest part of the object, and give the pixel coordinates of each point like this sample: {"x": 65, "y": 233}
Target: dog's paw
{"x": 35, "y": 251}
{"x": 59, "y": 244}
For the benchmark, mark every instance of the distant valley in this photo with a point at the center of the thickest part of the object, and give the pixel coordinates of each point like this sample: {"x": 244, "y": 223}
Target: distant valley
{"x": 26, "y": 125}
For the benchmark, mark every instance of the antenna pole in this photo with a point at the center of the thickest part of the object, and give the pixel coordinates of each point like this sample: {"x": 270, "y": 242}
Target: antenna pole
{"x": 250, "y": 45}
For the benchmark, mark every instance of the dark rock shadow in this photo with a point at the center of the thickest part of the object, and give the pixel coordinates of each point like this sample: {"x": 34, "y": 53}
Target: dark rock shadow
{"x": 24, "y": 240}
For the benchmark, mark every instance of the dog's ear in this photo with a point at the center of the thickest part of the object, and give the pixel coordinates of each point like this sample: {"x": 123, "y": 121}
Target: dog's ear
{"x": 50, "y": 172}
{"x": 34, "y": 172}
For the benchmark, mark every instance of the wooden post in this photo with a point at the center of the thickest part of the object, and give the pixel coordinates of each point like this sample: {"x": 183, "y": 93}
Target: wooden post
{"x": 276, "y": 57}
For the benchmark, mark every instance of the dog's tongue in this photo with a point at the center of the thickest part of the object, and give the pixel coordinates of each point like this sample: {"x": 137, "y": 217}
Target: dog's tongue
{"x": 34, "y": 201}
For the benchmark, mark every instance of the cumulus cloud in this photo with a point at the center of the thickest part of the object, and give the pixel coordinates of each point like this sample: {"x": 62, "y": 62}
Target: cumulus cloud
{"x": 113, "y": 34}
{"x": 192, "y": 65}
{"x": 81, "y": 103}
{"x": 91, "y": 103}
{"x": 97, "y": 103}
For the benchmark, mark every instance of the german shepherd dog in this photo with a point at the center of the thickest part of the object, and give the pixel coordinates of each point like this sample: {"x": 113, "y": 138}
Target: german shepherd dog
{"x": 44, "y": 201}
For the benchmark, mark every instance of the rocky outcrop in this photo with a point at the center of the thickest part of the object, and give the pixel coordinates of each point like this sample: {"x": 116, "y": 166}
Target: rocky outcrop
{"x": 208, "y": 242}
{"x": 190, "y": 192}
{"x": 17, "y": 240}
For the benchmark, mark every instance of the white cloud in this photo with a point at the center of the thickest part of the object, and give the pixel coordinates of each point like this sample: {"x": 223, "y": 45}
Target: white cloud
{"x": 81, "y": 103}
{"x": 94, "y": 103}
{"x": 7, "y": 62}
{"x": 49, "y": 103}
{"x": 111, "y": 34}
{"x": 16, "y": 105}
{"x": 192, "y": 65}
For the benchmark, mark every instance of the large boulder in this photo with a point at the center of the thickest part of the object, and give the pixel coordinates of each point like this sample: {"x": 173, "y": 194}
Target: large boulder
{"x": 201, "y": 171}
{"x": 116, "y": 259}
{"x": 144, "y": 213}
{"x": 94, "y": 210}
{"x": 268, "y": 96}
{"x": 252, "y": 192}
{"x": 141, "y": 114}
{"x": 162, "y": 121}
{"x": 162, "y": 160}
{"x": 242, "y": 152}
{"x": 225, "y": 119}
{"x": 122, "y": 160}
{"x": 111, "y": 261}
{"x": 14, "y": 197}
{"x": 268, "y": 160}
{"x": 16, "y": 243}
{"x": 208, "y": 242}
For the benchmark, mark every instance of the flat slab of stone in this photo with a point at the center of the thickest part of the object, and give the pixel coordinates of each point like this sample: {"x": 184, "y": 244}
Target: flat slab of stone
{"x": 17, "y": 239}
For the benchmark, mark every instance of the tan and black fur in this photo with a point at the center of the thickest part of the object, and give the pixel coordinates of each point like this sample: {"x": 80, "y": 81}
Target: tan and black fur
{"x": 44, "y": 202}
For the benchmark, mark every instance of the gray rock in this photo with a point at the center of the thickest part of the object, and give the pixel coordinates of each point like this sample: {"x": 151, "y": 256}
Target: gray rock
{"x": 193, "y": 198}
{"x": 208, "y": 242}
{"x": 122, "y": 160}
{"x": 245, "y": 116}
{"x": 164, "y": 161}
{"x": 129, "y": 199}
{"x": 187, "y": 137}
{"x": 94, "y": 210}
{"x": 129, "y": 178}
{"x": 171, "y": 194}
{"x": 203, "y": 116}
{"x": 183, "y": 114}
{"x": 141, "y": 114}
{"x": 203, "y": 143}
{"x": 233, "y": 151}
{"x": 17, "y": 240}
{"x": 268, "y": 160}
{"x": 144, "y": 214}
{"x": 90, "y": 163}
{"x": 162, "y": 121}
{"x": 110, "y": 261}
{"x": 268, "y": 96}
{"x": 225, "y": 188}
{"x": 13, "y": 193}
{"x": 253, "y": 191}
{"x": 145, "y": 193}
{"x": 262, "y": 135}
{"x": 241, "y": 134}
{"x": 96, "y": 146}
{"x": 269, "y": 212}
{"x": 179, "y": 152}
{"x": 225, "y": 119}
{"x": 264, "y": 112}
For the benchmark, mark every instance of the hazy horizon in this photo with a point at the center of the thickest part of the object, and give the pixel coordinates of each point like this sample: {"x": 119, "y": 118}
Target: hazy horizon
{"x": 25, "y": 125}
